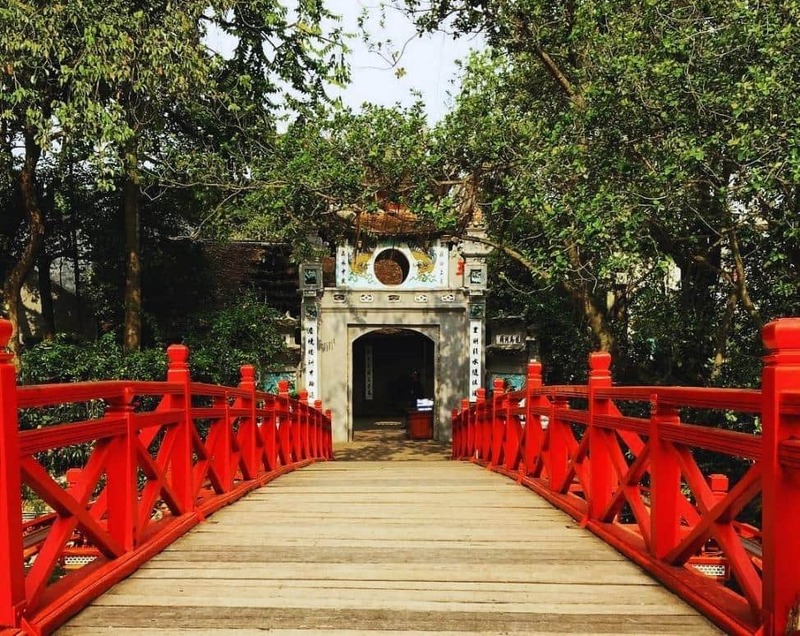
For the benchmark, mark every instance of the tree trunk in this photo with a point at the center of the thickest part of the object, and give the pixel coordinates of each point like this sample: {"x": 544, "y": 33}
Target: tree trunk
{"x": 133, "y": 266}
{"x": 595, "y": 317}
{"x": 577, "y": 293}
{"x": 740, "y": 283}
{"x": 36, "y": 227}
{"x": 721, "y": 341}
{"x": 46, "y": 296}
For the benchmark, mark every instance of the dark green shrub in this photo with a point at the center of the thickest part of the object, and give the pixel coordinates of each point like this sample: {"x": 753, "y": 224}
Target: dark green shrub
{"x": 222, "y": 340}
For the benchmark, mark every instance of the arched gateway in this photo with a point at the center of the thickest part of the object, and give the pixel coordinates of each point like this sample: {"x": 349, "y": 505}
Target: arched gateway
{"x": 392, "y": 367}
{"x": 398, "y": 307}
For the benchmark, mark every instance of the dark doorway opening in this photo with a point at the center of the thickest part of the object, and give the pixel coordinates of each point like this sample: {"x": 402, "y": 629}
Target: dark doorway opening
{"x": 383, "y": 364}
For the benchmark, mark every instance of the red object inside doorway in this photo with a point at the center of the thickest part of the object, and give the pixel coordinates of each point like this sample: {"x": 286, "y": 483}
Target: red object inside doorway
{"x": 420, "y": 424}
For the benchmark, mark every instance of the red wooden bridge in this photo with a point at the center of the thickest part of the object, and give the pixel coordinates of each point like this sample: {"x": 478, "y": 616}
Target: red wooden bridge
{"x": 379, "y": 547}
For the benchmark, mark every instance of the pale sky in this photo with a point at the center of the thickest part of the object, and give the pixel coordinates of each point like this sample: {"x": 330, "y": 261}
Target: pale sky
{"x": 429, "y": 63}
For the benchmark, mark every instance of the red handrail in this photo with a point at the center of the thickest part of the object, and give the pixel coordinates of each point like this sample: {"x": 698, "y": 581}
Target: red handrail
{"x": 150, "y": 477}
{"x": 638, "y": 483}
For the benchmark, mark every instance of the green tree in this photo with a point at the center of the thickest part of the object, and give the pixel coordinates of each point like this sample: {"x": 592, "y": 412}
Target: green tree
{"x": 137, "y": 87}
{"x": 611, "y": 141}
{"x": 334, "y": 170}
{"x": 222, "y": 340}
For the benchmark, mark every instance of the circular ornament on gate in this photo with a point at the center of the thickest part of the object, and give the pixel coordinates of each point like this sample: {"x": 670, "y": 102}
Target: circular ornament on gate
{"x": 391, "y": 267}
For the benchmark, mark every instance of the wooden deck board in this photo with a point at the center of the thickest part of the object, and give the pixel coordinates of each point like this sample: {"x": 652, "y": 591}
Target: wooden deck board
{"x": 389, "y": 548}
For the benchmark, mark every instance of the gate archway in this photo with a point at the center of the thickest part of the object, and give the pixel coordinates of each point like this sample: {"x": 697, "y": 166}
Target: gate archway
{"x": 383, "y": 361}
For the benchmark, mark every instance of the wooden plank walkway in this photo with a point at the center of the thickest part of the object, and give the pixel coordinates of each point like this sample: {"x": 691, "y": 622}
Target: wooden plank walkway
{"x": 395, "y": 548}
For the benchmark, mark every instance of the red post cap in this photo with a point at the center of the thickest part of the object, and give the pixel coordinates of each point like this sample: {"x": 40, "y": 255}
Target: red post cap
{"x": 6, "y": 331}
{"x": 177, "y": 355}
{"x": 247, "y": 372}
{"x": 600, "y": 361}
{"x": 718, "y": 483}
{"x": 783, "y": 333}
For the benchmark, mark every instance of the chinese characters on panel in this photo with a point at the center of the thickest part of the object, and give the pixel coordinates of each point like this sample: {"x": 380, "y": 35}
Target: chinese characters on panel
{"x": 475, "y": 357}
{"x": 310, "y": 352}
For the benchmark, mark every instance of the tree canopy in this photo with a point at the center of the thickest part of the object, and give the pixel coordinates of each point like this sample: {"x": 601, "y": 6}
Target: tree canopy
{"x": 133, "y": 94}
{"x": 637, "y": 164}
{"x": 616, "y": 143}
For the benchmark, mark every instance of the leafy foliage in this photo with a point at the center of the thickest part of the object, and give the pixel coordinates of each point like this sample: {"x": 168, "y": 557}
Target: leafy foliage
{"x": 221, "y": 341}
{"x": 336, "y": 166}
{"x": 100, "y": 75}
{"x": 136, "y": 95}
{"x": 62, "y": 360}
{"x": 640, "y": 159}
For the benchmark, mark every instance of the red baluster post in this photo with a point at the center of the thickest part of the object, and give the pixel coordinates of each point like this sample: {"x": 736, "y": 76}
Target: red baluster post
{"x": 601, "y": 472}
{"x": 498, "y": 422}
{"x": 222, "y": 434}
{"x": 781, "y": 483}
{"x": 719, "y": 485}
{"x": 307, "y": 422}
{"x": 122, "y": 489}
{"x": 181, "y": 464}
{"x": 269, "y": 432}
{"x": 328, "y": 436}
{"x": 483, "y": 424}
{"x": 511, "y": 448}
{"x": 665, "y": 482}
{"x": 555, "y": 454}
{"x": 468, "y": 424}
{"x": 301, "y": 417}
{"x": 248, "y": 433}
{"x": 12, "y": 578}
{"x": 316, "y": 433}
{"x": 531, "y": 441}
{"x": 313, "y": 427}
{"x": 285, "y": 424}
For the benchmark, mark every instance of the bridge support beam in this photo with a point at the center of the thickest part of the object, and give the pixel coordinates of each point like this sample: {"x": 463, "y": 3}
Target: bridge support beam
{"x": 602, "y": 472}
{"x": 12, "y": 582}
{"x": 781, "y": 483}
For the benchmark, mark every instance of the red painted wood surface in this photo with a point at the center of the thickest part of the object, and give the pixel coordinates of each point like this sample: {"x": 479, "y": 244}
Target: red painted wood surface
{"x": 150, "y": 476}
{"x": 420, "y": 424}
{"x": 637, "y": 482}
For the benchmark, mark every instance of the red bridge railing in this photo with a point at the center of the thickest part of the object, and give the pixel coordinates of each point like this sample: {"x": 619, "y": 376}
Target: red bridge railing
{"x": 151, "y": 475}
{"x": 727, "y": 543}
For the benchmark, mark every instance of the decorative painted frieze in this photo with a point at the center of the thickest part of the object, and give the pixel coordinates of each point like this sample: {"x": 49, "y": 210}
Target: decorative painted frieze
{"x": 396, "y": 266}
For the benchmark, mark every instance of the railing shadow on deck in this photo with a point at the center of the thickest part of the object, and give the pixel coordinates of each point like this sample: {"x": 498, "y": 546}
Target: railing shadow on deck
{"x": 632, "y": 467}
{"x": 150, "y": 475}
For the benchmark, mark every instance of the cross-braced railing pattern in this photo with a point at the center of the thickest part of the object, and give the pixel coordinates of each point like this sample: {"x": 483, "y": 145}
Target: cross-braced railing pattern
{"x": 150, "y": 476}
{"x": 642, "y": 483}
